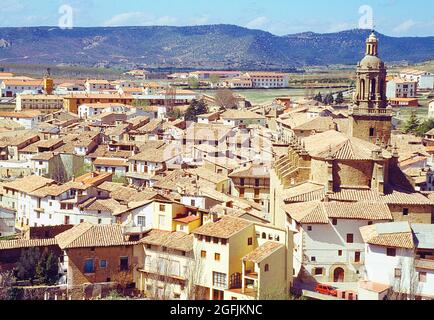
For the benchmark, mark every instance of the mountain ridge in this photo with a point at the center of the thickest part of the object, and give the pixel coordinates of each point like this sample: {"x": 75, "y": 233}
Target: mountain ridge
{"x": 209, "y": 46}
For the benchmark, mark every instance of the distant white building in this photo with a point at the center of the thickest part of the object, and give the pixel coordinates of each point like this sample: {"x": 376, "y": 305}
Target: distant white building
{"x": 424, "y": 79}
{"x": 28, "y": 119}
{"x": 401, "y": 88}
{"x": 12, "y": 87}
{"x": 268, "y": 79}
{"x": 98, "y": 85}
{"x": 93, "y": 109}
{"x": 242, "y": 117}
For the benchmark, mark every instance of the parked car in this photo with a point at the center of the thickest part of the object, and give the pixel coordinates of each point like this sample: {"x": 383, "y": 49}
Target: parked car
{"x": 326, "y": 289}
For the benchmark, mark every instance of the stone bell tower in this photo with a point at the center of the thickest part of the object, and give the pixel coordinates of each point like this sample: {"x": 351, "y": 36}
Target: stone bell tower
{"x": 370, "y": 116}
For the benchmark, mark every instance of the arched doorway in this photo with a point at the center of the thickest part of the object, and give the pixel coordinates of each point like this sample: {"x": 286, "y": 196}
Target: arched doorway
{"x": 338, "y": 275}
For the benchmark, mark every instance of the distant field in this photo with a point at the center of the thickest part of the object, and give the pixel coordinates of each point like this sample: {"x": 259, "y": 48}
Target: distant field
{"x": 261, "y": 96}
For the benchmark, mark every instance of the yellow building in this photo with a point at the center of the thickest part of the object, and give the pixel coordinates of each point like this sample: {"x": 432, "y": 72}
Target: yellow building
{"x": 241, "y": 259}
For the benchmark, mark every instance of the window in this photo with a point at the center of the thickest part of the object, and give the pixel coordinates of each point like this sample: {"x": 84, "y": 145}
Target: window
{"x": 422, "y": 276}
{"x": 350, "y": 238}
{"x": 391, "y": 252}
{"x": 217, "y": 257}
{"x": 357, "y": 256}
{"x": 215, "y": 240}
{"x": 371, "y": 132}
{"x": 223, "y": 241}
{"x": 219, "y": 279}
{"x": 335, "y": 221}
{"x": 250, "y": 241}
{"x": 397, "y": 273}
{"x": 124, "y": 263}
{"x": 141, "y": 221}
{"x": 340, "y": 253}
{"x": 318, "y": 271}
{"x": 370, "y": 223}
{"x": 313, "y": 259}
{"x": 162, "y": 208}
{"x": 309, "y": 228}
{"x": 405, "y": 212}
{"x": 99, "y": 221}
{"x": 264, "y": 235}
{"x": 242, "y": 181}
{"x": 193, "y": 203}
{"x": 88, "y": 266}
{"x": 103, "y": 264}
{"x": 203, "y": 254}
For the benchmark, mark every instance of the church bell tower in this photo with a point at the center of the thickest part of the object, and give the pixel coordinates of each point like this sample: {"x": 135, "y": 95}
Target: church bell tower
{"x": 370, "y": 116}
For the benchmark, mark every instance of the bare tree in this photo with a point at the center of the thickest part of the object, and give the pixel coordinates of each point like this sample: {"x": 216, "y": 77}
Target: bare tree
{"x": 406, "y": 285}
{"x": 226, "y": 99}
{"x": 194, "y": 275}
{"x": 7, "y": 280}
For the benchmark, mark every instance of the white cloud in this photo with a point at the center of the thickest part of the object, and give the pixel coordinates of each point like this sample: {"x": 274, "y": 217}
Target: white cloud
{"x": 257, "y": 23}
{"x": 139, "y": 19}
{"x": 404, "y": 26}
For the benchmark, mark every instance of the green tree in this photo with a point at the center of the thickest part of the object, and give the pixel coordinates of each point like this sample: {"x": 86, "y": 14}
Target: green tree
{"x": 425, "y": 126}
{"x": 86, "y": 168}
{"x": 214, "y": 79}
{"x": 318, "y": 97}
{"x": 196, "y": 108}
{"x": 174, "y": 113}
{"x": 40, "y": 267}
{"x": 328, "y": 99}
{"x": 26, "y": 266}
{"x": 412, "y": 124}
{"x": 193, "y": 82}
{"x": 340, "y": 98}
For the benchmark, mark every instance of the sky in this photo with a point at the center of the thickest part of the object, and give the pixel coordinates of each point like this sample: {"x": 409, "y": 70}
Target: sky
{"x": 280, "y": 17}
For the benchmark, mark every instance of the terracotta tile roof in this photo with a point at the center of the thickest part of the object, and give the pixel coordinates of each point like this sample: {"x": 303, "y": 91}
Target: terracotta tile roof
{"x": 110, "y": 162}
{"x": 187, "y": 219}
{"x": 374, "y": 286}
{"x": 28, "y": 184}
{"x": 158, "y": 156}
{"x": 304, "y": 192}
{"x": 252, "y": 171}
{"x": 321, "y": 212}
{"x": 86, "y": 235}
{"x": 263, "y": 252}
{"x": 209, "y": 175}
{"x": 225, "y": 228}
{"x": 43, "y": 156}
{"x": 240, "y": 114}
{"x": 21, "y": 243}
{"x": 172, "y": 240}
{"x": 340, "y": 146}
{"x": 393, "y": 234}
{"x": 105, "y": 205}
{"x": 93, "y": 178}
{"x": 22, "y": 82}
{"x": 20, "y": 114}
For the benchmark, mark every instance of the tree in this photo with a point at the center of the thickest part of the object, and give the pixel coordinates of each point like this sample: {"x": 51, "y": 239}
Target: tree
{"x": 328, "y": 99}
{"x": 226, "y": 99}
{"x": 7, "y": 280}
{"x": 318, "y": 97}
{"x": 174, "y": 113}
{"x": 412, "y": 123}
{"x": 425, "y": 126}
{"x": 214, "y": 79}
{"x": 340, "y": 98}
{"x": 193, "y": 82}
{"x": 196, "y": 108}
{"x": 35, "y": 266}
